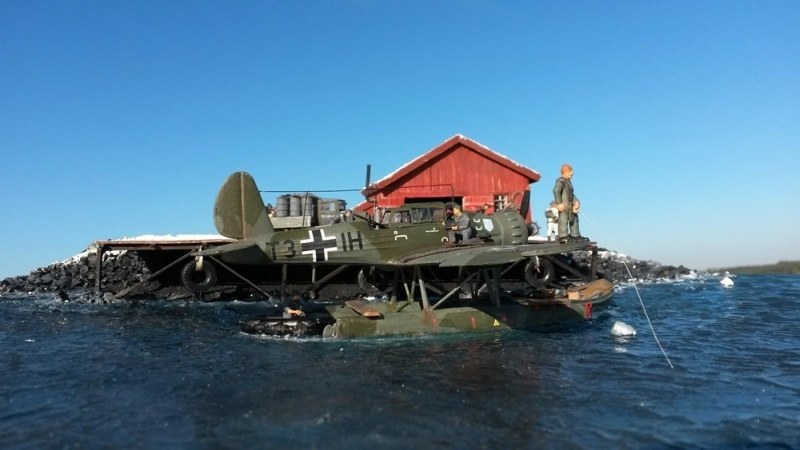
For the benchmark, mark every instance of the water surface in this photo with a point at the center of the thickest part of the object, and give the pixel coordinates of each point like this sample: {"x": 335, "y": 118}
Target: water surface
{"x": 181, "y": 375}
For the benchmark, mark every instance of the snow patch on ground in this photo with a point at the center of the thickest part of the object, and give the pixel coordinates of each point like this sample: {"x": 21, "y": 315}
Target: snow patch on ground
{"x": 144, "y": 238}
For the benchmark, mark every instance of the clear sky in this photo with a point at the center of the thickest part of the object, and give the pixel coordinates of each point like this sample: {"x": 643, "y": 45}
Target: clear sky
{"x": 681, "y": 118}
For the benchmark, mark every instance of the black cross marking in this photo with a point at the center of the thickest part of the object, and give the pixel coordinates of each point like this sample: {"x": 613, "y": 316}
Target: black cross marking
{"x": 318, "y": 245}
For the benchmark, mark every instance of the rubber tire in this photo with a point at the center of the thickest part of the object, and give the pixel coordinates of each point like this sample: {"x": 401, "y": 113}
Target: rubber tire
{"x": 543, "y": 276}
{"x": 371, "y": 279}
{"x": 188, "y": 274}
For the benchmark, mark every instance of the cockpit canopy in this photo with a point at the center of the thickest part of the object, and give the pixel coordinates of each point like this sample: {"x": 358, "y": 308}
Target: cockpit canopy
{"x": 414, "y": 213}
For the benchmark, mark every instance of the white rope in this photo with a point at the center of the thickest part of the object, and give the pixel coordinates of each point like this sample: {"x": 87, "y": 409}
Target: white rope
{"x": 653, "y": 330}
{"x": 641, "y": 302}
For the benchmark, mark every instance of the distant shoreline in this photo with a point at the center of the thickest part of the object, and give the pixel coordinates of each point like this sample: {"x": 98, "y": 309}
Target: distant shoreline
{"x": 779, "y": 268}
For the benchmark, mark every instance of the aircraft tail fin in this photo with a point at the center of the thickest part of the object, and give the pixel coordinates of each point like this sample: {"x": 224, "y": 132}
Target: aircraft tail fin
{"x": 239, "y": 211}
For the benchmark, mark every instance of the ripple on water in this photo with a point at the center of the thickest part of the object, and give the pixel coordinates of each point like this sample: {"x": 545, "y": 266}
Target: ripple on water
{"x": 166, "y": 374}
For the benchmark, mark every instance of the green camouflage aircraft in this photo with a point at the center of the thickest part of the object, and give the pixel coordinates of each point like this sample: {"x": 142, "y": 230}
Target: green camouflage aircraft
{"x": 409, "y": 236}
{"x": 406, "y": 239}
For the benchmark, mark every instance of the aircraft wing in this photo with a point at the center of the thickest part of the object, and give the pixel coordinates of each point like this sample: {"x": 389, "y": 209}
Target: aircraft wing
{"x": 227, "y": 248}
{"x": 465, "y": 256}
{"x": 476, "y": 256}
{"x": 550, "y": 248}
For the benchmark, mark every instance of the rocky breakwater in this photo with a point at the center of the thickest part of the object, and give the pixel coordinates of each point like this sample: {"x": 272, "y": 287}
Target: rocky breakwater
{"x": 620, "y": 268}
{"x": 76, "y": 278}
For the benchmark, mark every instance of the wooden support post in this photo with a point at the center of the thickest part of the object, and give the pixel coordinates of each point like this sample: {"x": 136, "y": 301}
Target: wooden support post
{"x": 98, "y": 267}
{"x": 284, "y": 273}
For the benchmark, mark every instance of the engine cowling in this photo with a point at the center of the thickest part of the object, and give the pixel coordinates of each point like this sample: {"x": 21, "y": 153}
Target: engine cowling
{"x": 501, "y": 228}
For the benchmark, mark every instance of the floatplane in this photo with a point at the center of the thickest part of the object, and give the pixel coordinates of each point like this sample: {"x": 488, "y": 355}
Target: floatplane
{"x": 407, "y": 247}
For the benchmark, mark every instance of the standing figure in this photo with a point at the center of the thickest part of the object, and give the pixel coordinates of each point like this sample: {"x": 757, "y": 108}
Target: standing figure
{"x": 568, "y": 206}
{"x": 552, "y": 222}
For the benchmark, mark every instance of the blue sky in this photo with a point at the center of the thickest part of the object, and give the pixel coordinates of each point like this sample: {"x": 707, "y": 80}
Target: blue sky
{"x": 119, "y": 119}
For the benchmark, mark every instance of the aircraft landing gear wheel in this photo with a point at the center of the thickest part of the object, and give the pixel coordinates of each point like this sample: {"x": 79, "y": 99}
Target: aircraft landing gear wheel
{"x": 539, "y": 272}
{"x": 199, "y": 280}
{"x": 371, "y": 279}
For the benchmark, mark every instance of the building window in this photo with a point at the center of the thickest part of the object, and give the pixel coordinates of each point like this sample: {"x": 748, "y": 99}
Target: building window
{"x": 500, "y": 202}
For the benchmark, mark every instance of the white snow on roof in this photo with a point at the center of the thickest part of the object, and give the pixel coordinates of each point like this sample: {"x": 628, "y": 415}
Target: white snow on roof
{"x": 147, "y": 238}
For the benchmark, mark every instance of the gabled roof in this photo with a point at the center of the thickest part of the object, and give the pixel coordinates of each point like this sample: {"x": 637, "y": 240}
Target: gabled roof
{"x": 446, "y": 146}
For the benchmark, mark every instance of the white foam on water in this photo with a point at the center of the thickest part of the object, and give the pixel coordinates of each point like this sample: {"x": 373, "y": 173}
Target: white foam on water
{"x": 621, "y": 328}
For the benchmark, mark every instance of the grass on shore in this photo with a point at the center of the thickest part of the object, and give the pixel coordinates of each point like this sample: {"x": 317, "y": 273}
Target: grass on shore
{"x": 780, "y": 268}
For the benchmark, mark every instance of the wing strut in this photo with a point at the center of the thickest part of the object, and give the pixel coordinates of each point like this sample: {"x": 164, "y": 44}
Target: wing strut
{"x": 455, "y": 289}
{"x": 423, "y": 292}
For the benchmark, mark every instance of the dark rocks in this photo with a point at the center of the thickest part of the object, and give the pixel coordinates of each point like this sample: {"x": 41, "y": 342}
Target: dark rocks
{"x": 76, "y": 277}
{"x": 620, "y": 268}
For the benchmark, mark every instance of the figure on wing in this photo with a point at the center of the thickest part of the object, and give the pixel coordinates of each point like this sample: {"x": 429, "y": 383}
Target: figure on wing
{"x": 462, "y": 229}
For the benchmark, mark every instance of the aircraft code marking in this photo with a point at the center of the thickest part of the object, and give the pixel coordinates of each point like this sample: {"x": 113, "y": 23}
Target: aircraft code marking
{"x": 318, "y": 245}
{"x": 349, "y": 240}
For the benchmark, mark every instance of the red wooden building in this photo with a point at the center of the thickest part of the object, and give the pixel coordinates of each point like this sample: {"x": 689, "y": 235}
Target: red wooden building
{"x": 460, "y": 170}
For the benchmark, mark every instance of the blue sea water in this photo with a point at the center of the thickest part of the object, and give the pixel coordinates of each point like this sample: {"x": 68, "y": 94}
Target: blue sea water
{"x": 180, "y": 375}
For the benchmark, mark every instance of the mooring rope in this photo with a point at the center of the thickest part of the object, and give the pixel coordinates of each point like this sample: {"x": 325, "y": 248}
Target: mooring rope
{"x": 641, "y": 302}
{"x": 647, "y": 316}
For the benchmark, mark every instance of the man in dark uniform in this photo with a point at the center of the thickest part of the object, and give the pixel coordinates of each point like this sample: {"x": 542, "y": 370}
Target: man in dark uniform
{"x": 568, "y": 206}
{"x": 294, "y": 306}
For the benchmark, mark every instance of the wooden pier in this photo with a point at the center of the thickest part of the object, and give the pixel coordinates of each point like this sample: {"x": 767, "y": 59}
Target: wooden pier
{"x": 154, "y": 244}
